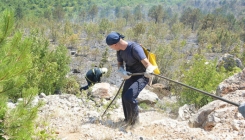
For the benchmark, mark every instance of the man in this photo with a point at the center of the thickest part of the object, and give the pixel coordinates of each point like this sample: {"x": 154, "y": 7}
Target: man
{"x": 131, "y": 56}
{"x": 241, "y": 109}
{"x": 93, "y": 76}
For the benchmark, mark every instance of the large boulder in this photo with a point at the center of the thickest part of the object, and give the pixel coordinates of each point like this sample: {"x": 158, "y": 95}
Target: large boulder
{"x": 219, "y": 115}
{"x": 148, "y": 97}
{"x": 185, "y": 112}
{"x": 233, "y": 83}
{"x": 103, "y": 90}
{"x": 229, "y": 61}
{"x": 201, "y": 116}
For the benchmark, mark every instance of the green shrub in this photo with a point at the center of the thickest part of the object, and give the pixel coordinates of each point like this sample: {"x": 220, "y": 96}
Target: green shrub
{"x": 71, "y": 86}
{"x": 202, "y": 75}
{"x": 143, "y": 105}
{"x": 19, "y": 121}
{"x": 50, "y": 65}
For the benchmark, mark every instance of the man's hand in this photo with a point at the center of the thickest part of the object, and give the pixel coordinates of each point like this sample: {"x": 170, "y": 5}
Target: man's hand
{"x": 149, "y": 71}
{"x": 123, "y": 73}
{"x": 241, "y": 109}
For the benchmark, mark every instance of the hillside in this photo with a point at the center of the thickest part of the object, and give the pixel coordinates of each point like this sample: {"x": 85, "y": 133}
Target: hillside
{"x": 71, "y": 118}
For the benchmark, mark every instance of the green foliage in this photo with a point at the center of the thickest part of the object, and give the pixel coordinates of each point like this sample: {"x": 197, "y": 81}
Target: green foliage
{"x": 169, "y": 57}
{"x": 91, "y": 30}
{"x": 104, "y": 26}
{"x": 28, "y": 66}
{"x": 173, "y": 106}
{"x": 45, "y": 134}
{"x": 139, "y": 29}
{"x": 15, "y": 62}
{"x": 58, "y": 12}
{"x": 19, "y": 121}
{"x": 93, "y": 11}
{"x": 176, "y": 29}
{"x": 243, "y": 57}
{"x": 49, "y": 67}
{"x": 104, "y": 58}
{"x": 156, "y": 13}
{"x": 221, "y": 39}
{"x": 3, "y": 110}
{"x": 138, "y": 15}
{"x": 127, "y": 15}
{"x": 191, "y": 17}
{"x": 100, "y": 8}
{"x": 202, "y": 75}
{"x": 14, "y": 56}
{"x": 19, "y": 12}
{"x": 119, "y": 24}
{"x": 158, "y": 30}
{"x": 143, "y": 105}
{"x": 118, "y": 13}
{"x": 71, "y": 86}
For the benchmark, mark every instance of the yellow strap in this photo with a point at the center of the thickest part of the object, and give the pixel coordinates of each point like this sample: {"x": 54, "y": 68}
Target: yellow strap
{"x": 89, "y": 80}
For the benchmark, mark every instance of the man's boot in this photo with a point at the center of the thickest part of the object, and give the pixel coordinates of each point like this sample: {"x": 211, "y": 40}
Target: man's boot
{"x": 135, "y": 123}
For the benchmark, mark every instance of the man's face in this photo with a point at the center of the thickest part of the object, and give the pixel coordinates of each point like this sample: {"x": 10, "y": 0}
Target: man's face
{"x": 114, "y": 47}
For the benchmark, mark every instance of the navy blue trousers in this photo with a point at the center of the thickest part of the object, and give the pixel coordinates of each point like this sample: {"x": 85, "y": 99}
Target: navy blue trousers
{"x": 87, "y": 86}
{"x": 131, "y": 89}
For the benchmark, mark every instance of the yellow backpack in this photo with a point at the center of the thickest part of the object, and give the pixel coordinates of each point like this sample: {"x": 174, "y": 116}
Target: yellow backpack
{"x": 152, "y": 58}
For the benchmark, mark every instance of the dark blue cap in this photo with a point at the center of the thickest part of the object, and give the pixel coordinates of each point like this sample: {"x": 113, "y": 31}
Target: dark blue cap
{"x": 113, "y": 38}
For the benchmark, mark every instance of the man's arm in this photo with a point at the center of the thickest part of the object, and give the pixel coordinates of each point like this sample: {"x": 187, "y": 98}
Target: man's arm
{"x": 97, "y": 74}
{"x": 122, "y": 72}
{"x": 120, "y": 64}
{"x": 146, "y": 62}
{"x": 149, "y": 68}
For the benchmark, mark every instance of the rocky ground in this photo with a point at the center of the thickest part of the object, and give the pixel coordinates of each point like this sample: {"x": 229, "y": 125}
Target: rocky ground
{"x": 70, "y": 117}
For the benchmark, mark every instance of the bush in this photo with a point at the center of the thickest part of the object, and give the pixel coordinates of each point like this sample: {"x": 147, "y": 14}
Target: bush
{"x": 50, "y": 65}
{"x": 202, "y": 75}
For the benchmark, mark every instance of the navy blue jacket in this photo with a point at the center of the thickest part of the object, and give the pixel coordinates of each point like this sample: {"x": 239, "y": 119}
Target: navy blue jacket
{"x": 93, "y": 75}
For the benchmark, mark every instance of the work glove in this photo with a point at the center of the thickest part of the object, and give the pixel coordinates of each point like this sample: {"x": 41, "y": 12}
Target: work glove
{"x": 241, "y": 109}
{"x": 149, "y": 71}
{"x": 123, "y": 73}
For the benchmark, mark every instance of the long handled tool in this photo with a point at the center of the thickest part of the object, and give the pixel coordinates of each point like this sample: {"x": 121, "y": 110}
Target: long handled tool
{"x": 113, "y": 98}
{"x": 204, "y": 92}
{"x": 217, "y": 97}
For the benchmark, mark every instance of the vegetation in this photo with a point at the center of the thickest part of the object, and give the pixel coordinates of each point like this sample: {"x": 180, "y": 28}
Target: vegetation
{"x": 35, "y": 37}
{"x": 28, "y": 67}
{"x": 202, "y": 74}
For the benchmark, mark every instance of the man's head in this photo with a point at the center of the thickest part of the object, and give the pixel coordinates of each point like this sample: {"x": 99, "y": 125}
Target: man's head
{"x": 103, "y": 70}
{"x": 113, "y": 38}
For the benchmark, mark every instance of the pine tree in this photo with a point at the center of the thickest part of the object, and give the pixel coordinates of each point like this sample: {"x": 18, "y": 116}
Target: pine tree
{"x": 15, "y": 61}
{"x": 27, "y": 67}
{"x": 14, "y": 56}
